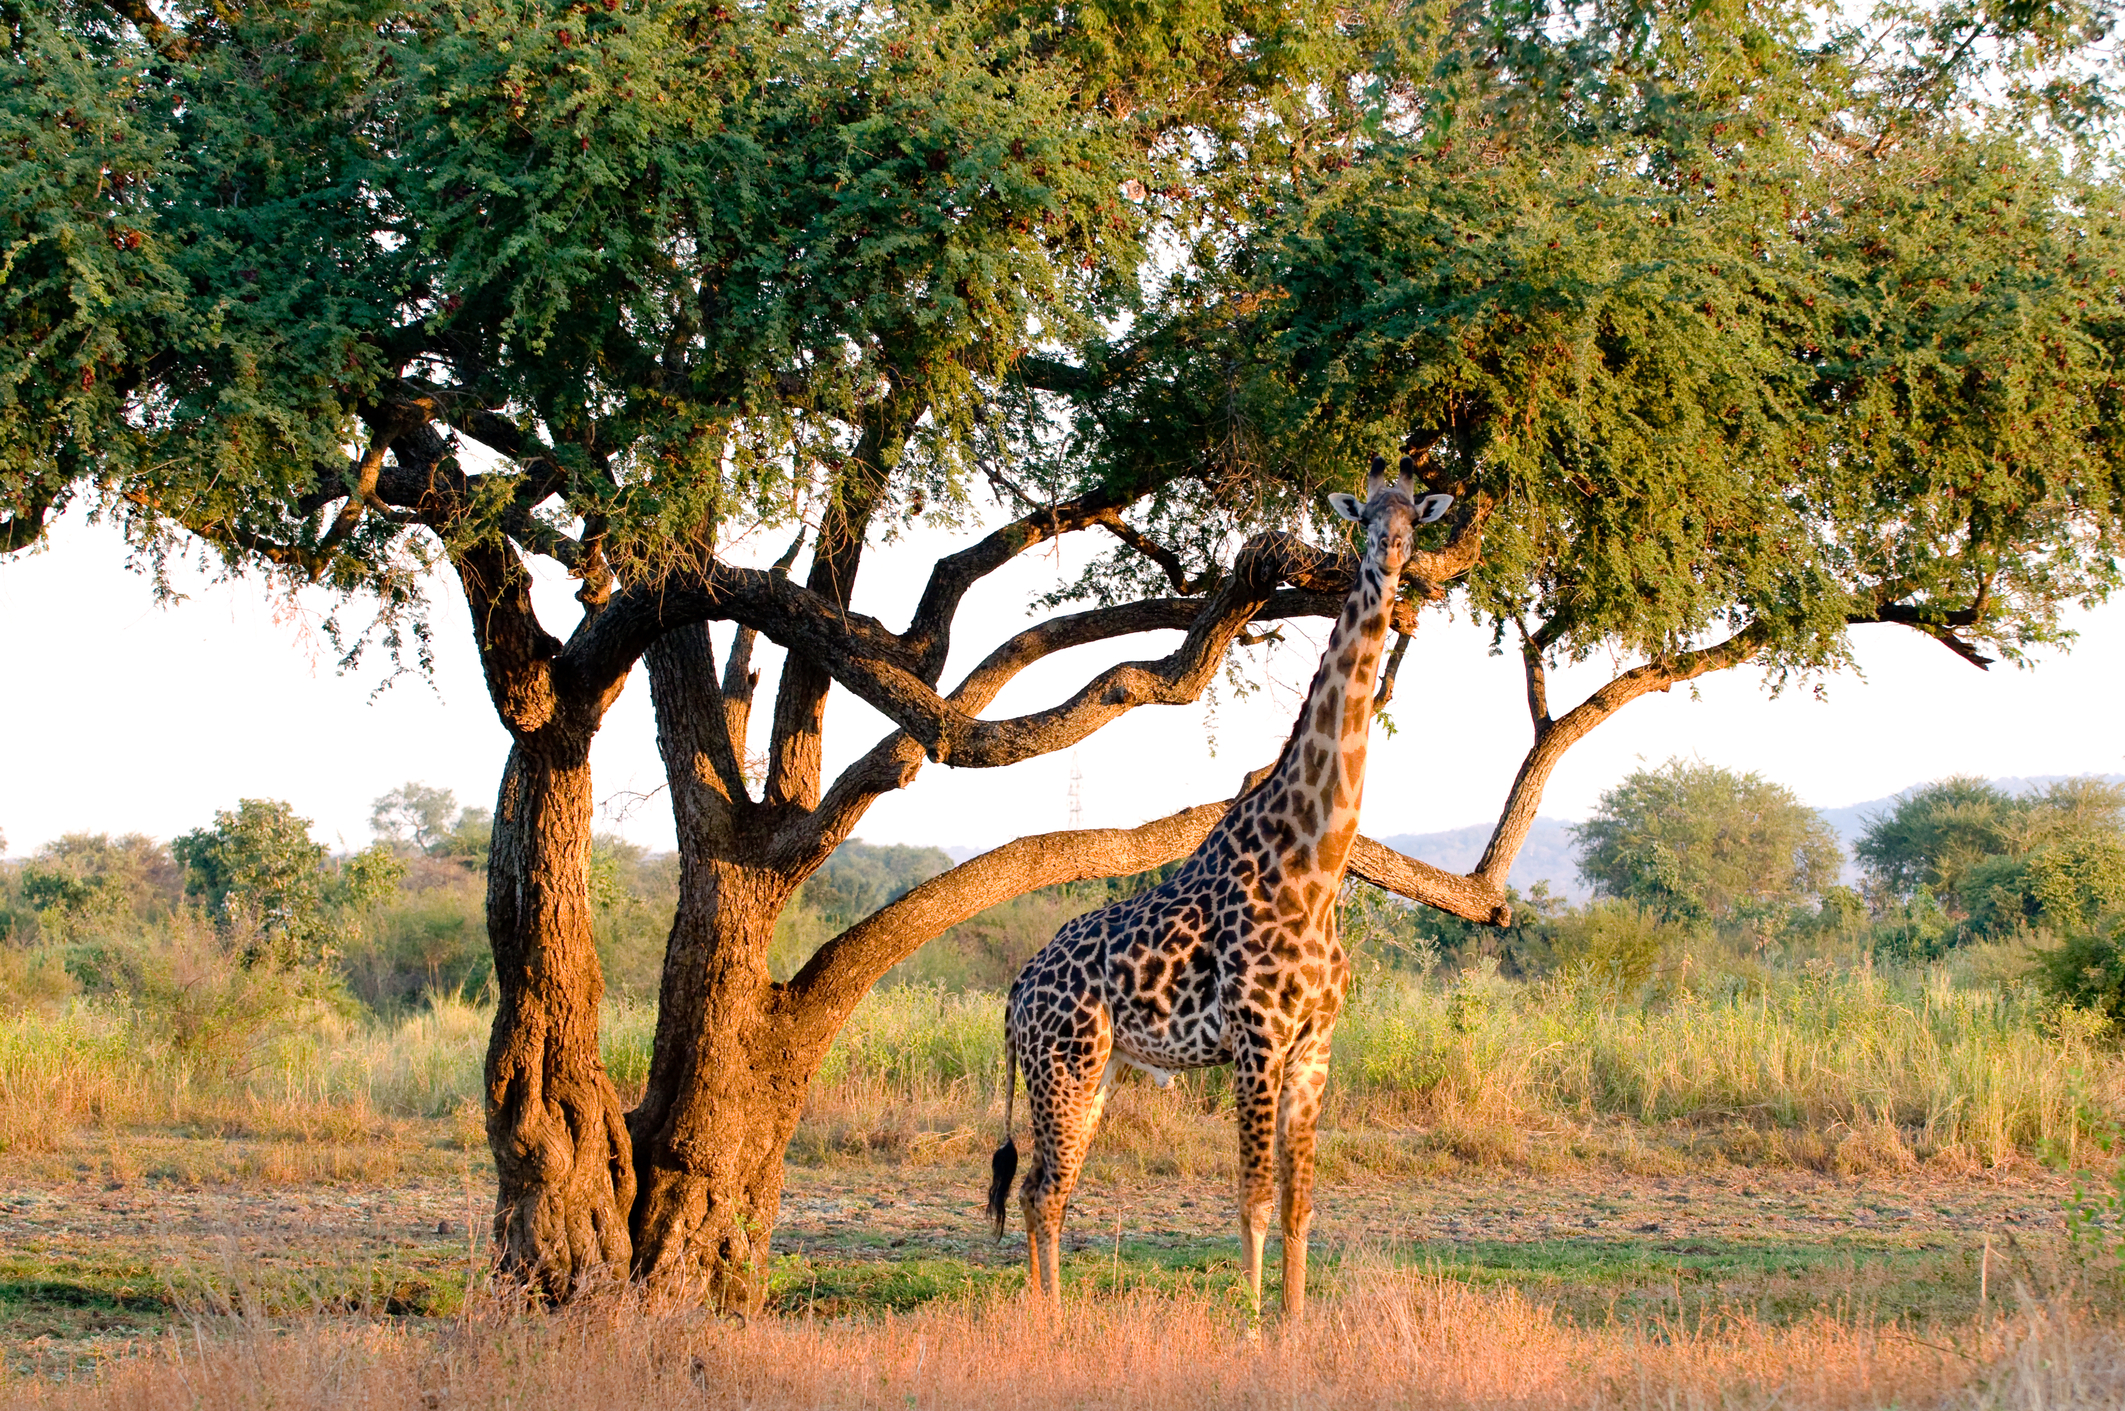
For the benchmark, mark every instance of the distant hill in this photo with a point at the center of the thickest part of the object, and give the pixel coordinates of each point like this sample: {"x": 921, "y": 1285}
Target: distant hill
{"x": 1548, "y": 855}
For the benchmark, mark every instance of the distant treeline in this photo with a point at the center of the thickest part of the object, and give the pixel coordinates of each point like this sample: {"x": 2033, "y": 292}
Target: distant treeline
{"x": 1689, "y": 864}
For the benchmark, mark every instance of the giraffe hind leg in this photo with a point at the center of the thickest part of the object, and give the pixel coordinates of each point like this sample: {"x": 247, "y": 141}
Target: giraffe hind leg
{"x": 1065, "y": 1110}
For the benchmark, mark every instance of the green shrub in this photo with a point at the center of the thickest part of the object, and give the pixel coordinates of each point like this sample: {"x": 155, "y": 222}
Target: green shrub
{"x": 2087, "y": 971}
{"x": 1613, "y": 946}
{"x": 2061, "y": 888}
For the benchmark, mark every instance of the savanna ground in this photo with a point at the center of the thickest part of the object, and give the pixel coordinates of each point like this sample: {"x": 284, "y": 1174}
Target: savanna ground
{"x": 1841, "y": 1188}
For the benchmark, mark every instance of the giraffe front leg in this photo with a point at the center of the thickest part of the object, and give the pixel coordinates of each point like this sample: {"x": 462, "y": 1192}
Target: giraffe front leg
{"x": 1254, "y": 1095}
{"x": 1298, "y": 1110}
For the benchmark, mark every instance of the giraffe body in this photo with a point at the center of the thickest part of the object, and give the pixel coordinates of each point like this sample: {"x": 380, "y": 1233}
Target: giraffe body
{"x": 1234, "y": 959}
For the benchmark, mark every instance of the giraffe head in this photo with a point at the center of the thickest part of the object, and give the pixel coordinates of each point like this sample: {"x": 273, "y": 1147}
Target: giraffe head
{"x": 1390, "y": 512}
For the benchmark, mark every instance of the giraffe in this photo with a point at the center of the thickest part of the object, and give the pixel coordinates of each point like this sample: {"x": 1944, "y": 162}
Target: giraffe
{"x": 1234, "y": 959}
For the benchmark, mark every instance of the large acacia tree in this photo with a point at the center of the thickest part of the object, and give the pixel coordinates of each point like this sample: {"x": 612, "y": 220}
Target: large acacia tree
{"x": 1726, "y": 327}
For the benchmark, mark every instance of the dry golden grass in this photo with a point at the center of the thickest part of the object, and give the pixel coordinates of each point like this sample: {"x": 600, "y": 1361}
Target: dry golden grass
{"x": 1398, "y": 1339}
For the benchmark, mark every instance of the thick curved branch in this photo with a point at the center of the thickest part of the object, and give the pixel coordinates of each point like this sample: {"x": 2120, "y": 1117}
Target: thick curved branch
{"x": 1470, "y": 898}
{"x": 1559, "y": 735}
{"x": 842, "y": 970}
{"x": 929, "y": 634}
{"x": 516, "y": 652}
{"x": 894, "y": 761}
{"x": 873, "y": 663}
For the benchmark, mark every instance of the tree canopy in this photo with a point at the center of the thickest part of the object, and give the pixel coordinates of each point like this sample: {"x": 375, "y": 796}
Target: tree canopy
{"x": 1692, "y": 841}
{"x": 258, "y": 870}
{"x": 2051, "y": 858}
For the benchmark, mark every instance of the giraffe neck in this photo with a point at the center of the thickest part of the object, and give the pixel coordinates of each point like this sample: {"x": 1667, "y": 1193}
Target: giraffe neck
{"x": 1317, "y": 785}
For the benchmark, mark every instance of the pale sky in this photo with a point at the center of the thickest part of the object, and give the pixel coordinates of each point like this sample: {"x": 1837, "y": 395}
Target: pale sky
{"x": 127, "y": 716}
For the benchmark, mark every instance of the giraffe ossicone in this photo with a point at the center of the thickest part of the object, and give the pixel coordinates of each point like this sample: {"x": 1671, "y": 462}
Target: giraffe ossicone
{"x": 1234, "y": 959}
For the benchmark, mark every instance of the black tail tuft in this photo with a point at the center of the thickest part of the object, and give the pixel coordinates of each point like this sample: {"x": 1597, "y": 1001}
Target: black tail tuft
{"x": 1002, "y": 1166}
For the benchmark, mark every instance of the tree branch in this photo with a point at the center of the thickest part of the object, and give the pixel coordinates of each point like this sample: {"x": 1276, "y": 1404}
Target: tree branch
{"x": 1386, "y": 693}
{"x": 895, "y": 760}
{"x": 740, "y": 680}
{"x": 1935, "y": 624}
{"x": 360, "y": 498}
{"x": 708, "y": 785}
{"x": 842, "y": 970}
{"x": 794, "y": 751}
{"x": 1537, "y": 680}
{"x": 1170, "y": 562}
{"x": 929, "y": 634}
{"x": 1568, "y": 729}
{"x": 1470, "y": 898}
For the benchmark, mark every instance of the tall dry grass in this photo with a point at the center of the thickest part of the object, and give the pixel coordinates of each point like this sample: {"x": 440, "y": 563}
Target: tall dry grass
{"x": 1396, "y": 1340}
{"x": 96, "y": 1069}
{"x": 1852, "y": 1070}
{"x": 1857, "y": 1070}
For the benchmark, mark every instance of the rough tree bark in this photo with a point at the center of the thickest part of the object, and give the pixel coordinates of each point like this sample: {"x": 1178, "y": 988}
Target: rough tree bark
{"x": 554, "y": 1120}
{"x": 726, "y": 1086}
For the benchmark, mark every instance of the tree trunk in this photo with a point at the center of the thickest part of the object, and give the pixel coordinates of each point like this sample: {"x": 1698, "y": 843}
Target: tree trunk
{"x": 726, "y": 1087}
{"x": 553, "y": 1119}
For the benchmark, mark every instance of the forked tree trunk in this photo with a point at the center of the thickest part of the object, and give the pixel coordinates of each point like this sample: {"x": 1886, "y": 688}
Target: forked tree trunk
{"x": 726, "y": 1087}
{"x": 553, "y": 1119}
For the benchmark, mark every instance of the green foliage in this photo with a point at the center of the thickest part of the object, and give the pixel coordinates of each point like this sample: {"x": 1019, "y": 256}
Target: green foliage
{"x": 1691, "y": 841}
{"x": 861, "y": 877}
{"x": 1735, "y": 319}
{"x": 1614, "y": 947}
{"x": 633, "y": 896}
{"x": 258, "y": 871}
{"x": 1935, "y": 834}
{"x": 1966, "y": 857}
{"x": 430, "y": 940}
{"x": 2087, "y": 970}
{"x": 91, "y": 880}
{"x": 211, "y": 994}
{"x": 1916, "y": 930}
{"x": 2064, "y": 888}
{"x": 469, "y": 839}
{"x": 1379, "y": 930}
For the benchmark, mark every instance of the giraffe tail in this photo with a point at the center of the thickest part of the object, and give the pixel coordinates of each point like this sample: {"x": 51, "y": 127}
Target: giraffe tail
{"x": 1004, "y": 1165}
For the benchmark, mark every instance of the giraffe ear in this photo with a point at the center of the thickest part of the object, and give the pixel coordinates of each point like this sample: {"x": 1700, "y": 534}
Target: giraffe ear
{"x": 1349, "y": 507}
{"x": 1431, "y": 507}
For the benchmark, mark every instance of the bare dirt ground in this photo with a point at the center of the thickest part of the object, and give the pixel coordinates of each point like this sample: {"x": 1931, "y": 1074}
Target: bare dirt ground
{"x": 90, "y": 1268}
